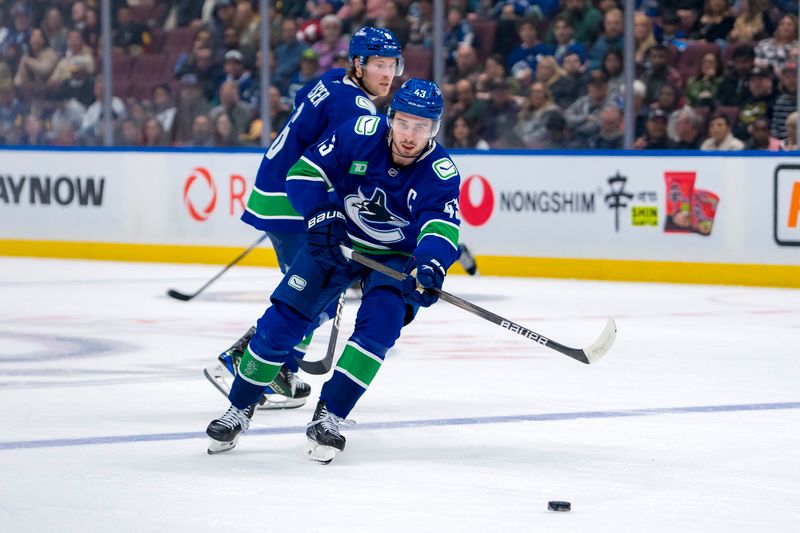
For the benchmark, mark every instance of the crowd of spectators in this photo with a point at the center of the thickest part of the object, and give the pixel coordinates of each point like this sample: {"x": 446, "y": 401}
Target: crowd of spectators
{"x": 710, "y": 74}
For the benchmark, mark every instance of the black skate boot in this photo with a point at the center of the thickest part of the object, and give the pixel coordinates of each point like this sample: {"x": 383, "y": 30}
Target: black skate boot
{"x": 324, "y": 438}
{"x": 223, "y": 433}
{"x": 466, "y": 260}
{"x": 287, "y": 384}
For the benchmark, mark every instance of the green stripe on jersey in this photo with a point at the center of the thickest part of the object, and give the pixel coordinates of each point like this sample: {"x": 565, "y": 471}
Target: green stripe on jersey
{"x": 256, "y": 370}
{"x": 359, "y": 363}
{"x": 365, "y": 249}
{"x": 271, "y": 205}
{"x": 445, "y": 230}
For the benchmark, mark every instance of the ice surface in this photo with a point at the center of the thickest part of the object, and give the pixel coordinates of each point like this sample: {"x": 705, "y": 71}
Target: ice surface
{"x": 690, "y": 423}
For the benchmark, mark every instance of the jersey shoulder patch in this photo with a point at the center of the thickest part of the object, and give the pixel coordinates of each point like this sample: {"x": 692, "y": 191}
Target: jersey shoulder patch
{"x": 367, "y": 125}
{"x": 366, "y": 104}
{"x": 445, "y": 168}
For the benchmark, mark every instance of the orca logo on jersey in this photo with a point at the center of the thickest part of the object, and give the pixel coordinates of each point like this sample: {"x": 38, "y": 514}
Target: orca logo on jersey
{"x": 373, "y": 217}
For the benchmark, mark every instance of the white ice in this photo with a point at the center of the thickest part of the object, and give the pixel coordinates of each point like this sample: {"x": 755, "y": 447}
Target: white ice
{"x": 103, "y": 408}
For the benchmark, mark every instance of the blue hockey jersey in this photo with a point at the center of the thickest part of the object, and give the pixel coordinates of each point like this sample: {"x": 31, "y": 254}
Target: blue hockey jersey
{"x": 389, "y": 208}
{"x": 319, "y": 107}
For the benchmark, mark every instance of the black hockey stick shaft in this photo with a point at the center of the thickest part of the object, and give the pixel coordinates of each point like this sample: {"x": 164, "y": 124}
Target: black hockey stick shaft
{"x": 587, "y": 355}
{"x": 323, "y": 366}
{"x": 184, "y": 297}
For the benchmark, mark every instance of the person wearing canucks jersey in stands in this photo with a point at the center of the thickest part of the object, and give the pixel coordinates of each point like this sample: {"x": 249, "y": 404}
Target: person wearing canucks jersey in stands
{"x": 383, "y": 186}
{"x": 319, "y": 107}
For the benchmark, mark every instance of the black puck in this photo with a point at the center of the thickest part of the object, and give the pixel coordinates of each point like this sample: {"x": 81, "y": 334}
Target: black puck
{"x": 559, "y": 506}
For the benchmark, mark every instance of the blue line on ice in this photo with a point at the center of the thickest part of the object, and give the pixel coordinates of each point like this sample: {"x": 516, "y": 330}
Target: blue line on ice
{"x": 546, "y": 417}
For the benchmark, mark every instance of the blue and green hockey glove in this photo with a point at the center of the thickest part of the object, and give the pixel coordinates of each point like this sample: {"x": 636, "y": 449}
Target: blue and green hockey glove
{"x": 423, "y": 273}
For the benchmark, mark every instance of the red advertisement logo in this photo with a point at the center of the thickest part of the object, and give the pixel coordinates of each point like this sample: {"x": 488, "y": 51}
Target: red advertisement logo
{"x": 476, "y": 214}
{"x": 201, "y": 214}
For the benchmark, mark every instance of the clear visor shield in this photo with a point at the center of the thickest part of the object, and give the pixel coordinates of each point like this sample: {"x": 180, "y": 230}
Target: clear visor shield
{"x": 385, "y": 67}
{"x": 419, "y": 130}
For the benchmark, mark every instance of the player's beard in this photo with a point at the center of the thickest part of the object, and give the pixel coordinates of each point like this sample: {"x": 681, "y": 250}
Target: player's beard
{"x": 399, "y": 151}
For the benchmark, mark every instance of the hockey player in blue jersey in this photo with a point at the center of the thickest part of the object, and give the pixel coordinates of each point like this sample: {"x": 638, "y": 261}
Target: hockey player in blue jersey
{"x": 319, "y": 107}
{"x": 380, "y": 185}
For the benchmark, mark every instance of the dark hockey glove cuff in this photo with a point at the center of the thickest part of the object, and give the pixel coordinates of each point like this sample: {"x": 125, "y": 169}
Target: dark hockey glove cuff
{"x": 423, "y": 273}
{"x": 326, "y": 228}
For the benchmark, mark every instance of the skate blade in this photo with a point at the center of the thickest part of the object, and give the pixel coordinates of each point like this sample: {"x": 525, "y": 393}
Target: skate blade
{"x": 279, "y": 401}
{"x": 219, "y": 375}
{"x": 216, "y": 446}
{"x": 320, "y": 453}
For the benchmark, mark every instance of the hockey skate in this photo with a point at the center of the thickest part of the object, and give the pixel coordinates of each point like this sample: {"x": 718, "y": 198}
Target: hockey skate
{"x": 288, "y": 391}
{"x": 223, "y": 432}
{"x": 466, "y": 260}
{"x": 324, "y": 439}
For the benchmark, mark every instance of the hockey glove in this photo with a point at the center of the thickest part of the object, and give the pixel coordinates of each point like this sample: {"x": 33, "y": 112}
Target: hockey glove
{"x": 423, "y": 273}
{"x": 325, "y": 230}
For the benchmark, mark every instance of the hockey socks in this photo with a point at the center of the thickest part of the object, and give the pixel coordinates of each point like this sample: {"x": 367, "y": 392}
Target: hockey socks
{"x": 256, "y": 371}
{"x": 357, "y": 367}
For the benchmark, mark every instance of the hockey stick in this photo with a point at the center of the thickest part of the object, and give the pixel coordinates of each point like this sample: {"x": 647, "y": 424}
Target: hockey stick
{"x": 588, "y": 355}
{"x": 184, "y": 297}
{"x": 323, "y": 366}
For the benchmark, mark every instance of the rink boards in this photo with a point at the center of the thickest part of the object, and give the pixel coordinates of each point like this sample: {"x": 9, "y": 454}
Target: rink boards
{"x": 670, "y": 216}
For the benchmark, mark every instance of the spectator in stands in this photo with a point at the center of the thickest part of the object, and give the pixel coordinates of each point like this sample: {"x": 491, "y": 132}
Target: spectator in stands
{"x": 205, "y": 69}
{"x": 421, "y": 16}
{"x": 668, "y": 102}
{"x": 613, "y": 27}
{"x": 702, "y": 88}
{"x": 246, "y": 22}
{"x": 80, "y": 84}
{"x": 309, "y": 70}
{"x": 130, "y": 36}
{"x": 11, "y": 56}
{"x": 458, "y": 33}
{"x": 12, "y": 113}
{"x": 54, "y": 30}
{"x": 187, "y": 12}
{"x": 91, "y": 130}
{"x": 230, "y": 40}
{"x": 760, "y": 103}
{"x": 734, "y": 90}
{"x": 530, "y": 127}
{"x": 583, "y": 116}
{"x": 760, "y": 139}
{"x": 230, "y": 104}
{"x": 468, "y": 106}
{"x": 494, "y": 69}
{"x": 548, "y": 72}
{"x": 222, "y": 17}
{"x": 76, "y": 48}
{"x": 342, "y": 60}
{"x": 224, "y": 132}
{"x": 786, "y": 103}
{"x": 153, "y": 133}
{"x": 67, "y": 113}
{"x": 332, "y": 41}
{"x": 530, "y": 47}
{"x": 643, "y": 36}
{"x": 128, "y": 134}
{"x": 191, "y": 103}
{"x": 753, "y": 23}
{"x": 64, "y": 135}
{"x": 77, "y": 16}
{"x": 290, "y": 50}
{"x": 720, "y": 136}
{"x": 570, "y": 87}
{"x": 393, "y": 18}
{"x": 687, "y": 10}
{"x": 460, "y": 133}
{"x": 92, "y": 30}
{"x": 21, "y": 26}
{"x": 557, "y": 134}
{"x": 610, "y": 136}
{"x": 467, "y": 66}
{"x": 236, "y": 72}
{"x": 202, "y": 133}
{"x": 613, "y": 69}
{"x": 669, "y": 31}
{"x": 659, "y": 73}
{"x": 688, "y": 129}
{"x": 33, "y": 133}
{"x": 585, "y": 20}
{"x": 790, "y": 142}
{"x": 163, "y": 106}
{"x": 778, "y": 49}
{"x": 503, "y": 111}
{"x": 279, "y": 109}
{"x": 655, "y": 137}
{"x": 36, "y": 66}
{"x": 715, "y": 23}
{"x": 565, "y": 39}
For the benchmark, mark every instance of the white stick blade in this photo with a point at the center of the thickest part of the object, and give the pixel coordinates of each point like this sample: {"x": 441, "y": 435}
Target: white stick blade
{"x": 599, "y": 348}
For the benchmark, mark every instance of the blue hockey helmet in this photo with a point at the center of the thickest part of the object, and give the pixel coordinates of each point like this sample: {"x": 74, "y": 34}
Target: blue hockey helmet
{"x": 369, "y": 41}
{"x": 421, "y": 98}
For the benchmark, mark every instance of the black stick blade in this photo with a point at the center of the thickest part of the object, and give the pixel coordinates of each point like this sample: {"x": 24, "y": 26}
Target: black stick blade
{"x": 172, "y": 293}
